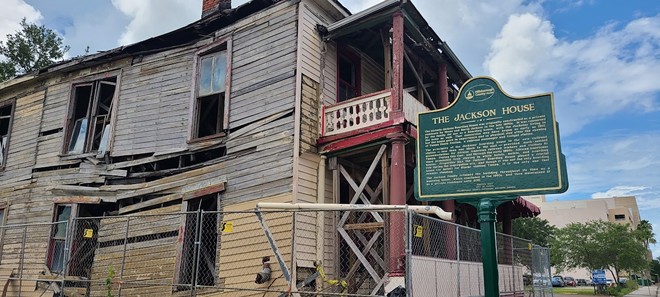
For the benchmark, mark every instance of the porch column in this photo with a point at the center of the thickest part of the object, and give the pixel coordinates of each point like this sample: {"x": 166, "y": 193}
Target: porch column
{"x": 447, "y": 205}
{"x": 397, "y": 197}
{"x": 397, "y": 64}
{"x": 442, "y": 86}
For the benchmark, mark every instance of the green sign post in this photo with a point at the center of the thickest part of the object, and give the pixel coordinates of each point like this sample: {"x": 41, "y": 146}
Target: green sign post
{"x": 487, "y": 148}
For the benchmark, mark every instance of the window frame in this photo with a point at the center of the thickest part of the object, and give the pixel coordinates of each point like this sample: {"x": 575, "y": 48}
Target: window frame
{"x": 183, "y": 227}
{"x": 68, "y": 124}
{"x": 5, "y": 152}
{"x": 222, "y": 43}
{"x": 354, "y": 57}
{"x": 4, "y": 209}
{"x": 51, "y": 248}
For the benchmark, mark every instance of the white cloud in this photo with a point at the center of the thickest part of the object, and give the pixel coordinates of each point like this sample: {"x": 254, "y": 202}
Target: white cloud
{"x": 595, "y": 167}
{"x": 517, "y": 54}
{"x": 593, "y": 77}
{"x": 619, "y": 191}
{"x": 11, "y": 14}
{"x": 153, "y": 17}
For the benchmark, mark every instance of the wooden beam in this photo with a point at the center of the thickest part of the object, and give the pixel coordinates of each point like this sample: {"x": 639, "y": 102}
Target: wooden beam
{"x": 372, "y": 227}
{"x": 387, "y": 57}
{"x": 397, "y": 62}
{"x": 187, "y": 192}
{"x": 419, "y": 79}
{"x": 77, "y": 200}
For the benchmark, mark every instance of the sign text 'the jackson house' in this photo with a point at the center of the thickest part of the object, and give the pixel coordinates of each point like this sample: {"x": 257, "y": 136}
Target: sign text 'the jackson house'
{"x": 489, "y": 144}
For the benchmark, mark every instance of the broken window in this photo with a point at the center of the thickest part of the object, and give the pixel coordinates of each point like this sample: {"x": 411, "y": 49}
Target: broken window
{"x": 348, "y": 75}
{"x": 6, "y": 113}
{"x": 198, "y": 261}
{"x": 57, "y": 242}
{"x": 88, "y": 128}
{"x": 80, "y": 223}
{"x": 211, "y": 92}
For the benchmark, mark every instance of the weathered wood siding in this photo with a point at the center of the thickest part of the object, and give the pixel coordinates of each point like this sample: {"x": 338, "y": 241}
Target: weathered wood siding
{"x": 241, "y": 251}
{"x": 152, "y": 118}
{"x": 149, "y": 259}
{"x": 154, "y": 99}
{"x": 306, "y": 226}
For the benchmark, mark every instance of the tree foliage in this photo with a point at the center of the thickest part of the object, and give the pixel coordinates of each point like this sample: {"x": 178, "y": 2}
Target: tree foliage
{"x": 644, "y": 233}
{"x": 599, "y": 245}
{"x": 538, "y": 230}
{"x": 655, "y": 269}
{"x": 31, "y": 48}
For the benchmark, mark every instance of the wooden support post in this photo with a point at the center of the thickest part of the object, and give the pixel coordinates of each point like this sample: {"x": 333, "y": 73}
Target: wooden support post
{"x": 420, "y": 82}
{"x": 443, "y": 88}
{"x": 447, "y": 205}
{"x": 397, "y": 197}
{"x": 387, "y": 57}
{"x": 397, "y": 63}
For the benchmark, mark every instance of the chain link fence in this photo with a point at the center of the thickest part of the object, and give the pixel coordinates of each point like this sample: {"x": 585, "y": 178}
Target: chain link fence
{"x": 445, "y": 260}
{"x": 273, "y": 253}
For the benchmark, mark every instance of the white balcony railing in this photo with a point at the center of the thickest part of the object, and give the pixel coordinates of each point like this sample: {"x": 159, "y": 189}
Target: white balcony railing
{"x": 357, "y": 113}
{"x": 411, "y": 107}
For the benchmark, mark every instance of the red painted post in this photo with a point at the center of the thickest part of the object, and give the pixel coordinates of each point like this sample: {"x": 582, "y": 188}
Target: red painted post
{"x": 448, "y": 205}
{"x": 397, "y": 62}
{"x": 397, "y": 197}
{"x": 444, "y": 88}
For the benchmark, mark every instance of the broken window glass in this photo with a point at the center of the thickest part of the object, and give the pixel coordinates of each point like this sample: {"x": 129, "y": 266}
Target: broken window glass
{"x": 90, "y": 114}
{"x": 5, "y": 128}
{"x": 58, "y": 239}
{"x": 209, "y": 108}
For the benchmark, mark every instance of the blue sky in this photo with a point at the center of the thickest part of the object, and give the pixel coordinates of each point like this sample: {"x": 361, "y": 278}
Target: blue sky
{"x": 601, "y": 59}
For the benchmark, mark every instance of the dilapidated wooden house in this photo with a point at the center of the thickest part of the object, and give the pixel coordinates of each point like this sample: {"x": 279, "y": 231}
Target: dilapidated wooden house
{"x": 271, "y": 101}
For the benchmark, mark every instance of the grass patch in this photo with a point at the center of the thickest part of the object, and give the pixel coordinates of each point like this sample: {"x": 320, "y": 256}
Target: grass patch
{"x": 574, "y": 291}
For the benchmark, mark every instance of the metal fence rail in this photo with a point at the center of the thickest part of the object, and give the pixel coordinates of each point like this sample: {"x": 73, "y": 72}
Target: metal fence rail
{"x": 307, "y": 253}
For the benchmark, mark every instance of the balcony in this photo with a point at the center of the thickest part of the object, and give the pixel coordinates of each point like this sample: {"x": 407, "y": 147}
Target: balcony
{"x": 368, "y": 111}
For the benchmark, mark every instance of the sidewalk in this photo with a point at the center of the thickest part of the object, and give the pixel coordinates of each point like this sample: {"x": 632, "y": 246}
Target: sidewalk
{"x": 651, "y": 291}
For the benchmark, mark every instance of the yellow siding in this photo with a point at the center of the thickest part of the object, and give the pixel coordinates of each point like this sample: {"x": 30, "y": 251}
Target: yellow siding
{"x": 241, "y": 251}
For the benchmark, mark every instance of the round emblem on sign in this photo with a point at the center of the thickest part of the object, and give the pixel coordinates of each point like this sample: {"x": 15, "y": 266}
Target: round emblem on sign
{"x": 479, "y": 93}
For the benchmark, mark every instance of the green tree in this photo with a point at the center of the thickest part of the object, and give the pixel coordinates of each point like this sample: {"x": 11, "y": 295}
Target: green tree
{"x": 599, "y": 244}
{"x": 655, "y": 269}
{"x": 538, "y": 230}
{"x": 644, "y": 233}
{"x": 31, "y": 48}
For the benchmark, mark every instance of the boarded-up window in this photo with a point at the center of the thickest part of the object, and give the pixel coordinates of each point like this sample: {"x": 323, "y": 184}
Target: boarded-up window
{"x": 213, "y": 69}
{"x": 88, "y": 126}
{"x": 6, "y": 113}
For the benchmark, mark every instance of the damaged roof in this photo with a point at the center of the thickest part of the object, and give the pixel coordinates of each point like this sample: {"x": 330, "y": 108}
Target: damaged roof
{"x": 206, "y": 26}
{"x": 202, "y": 28}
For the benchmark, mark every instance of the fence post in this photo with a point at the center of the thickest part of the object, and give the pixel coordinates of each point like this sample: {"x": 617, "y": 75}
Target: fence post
{"x": 68, "y": 241}
{"x": 458, "y": 261}
{"x": 198, "y": 239}
{"x": 408, "y": 243}
{"x": 123, "y": 257}
{"x": 20, "y": 265}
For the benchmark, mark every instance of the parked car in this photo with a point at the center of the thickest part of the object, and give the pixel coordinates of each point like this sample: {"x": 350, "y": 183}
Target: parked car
{"x": 570, "y": 281}
{"x": 558, "y": 281}
{"x": 609, "y": 282}
{"x": 581, "y": 282}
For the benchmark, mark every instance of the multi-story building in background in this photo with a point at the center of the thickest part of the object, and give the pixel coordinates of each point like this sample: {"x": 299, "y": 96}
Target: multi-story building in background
{"x": 621, "y": 210}
{"x": 561, "y": 213}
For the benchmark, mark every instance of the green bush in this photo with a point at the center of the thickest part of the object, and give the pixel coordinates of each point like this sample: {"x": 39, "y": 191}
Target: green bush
{"x": 620, "y": 291}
